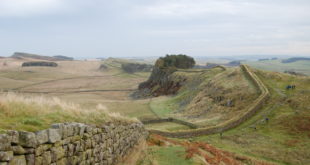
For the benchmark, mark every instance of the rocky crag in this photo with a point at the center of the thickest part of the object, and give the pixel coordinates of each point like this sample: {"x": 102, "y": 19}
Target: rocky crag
{"x": 161, "y": 81}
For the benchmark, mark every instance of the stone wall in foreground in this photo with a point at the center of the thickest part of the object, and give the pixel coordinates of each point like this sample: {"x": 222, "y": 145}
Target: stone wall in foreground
{"x": 70, "y": 144}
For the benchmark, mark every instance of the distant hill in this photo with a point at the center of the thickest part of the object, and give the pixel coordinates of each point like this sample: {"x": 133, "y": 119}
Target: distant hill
{"x": 299, "y": 65}
{"x": 20, "y": 55}
{"x": 117, "y": 63}
{"x": 136, "y": 67}
{"x": 294, "y": 59}
{"x": 60, "y": 57}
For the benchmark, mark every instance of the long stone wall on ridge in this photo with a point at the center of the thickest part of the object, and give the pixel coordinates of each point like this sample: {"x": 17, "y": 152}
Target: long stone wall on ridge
{"x": 71, "y": 144}
{"x": 249, "y": 112}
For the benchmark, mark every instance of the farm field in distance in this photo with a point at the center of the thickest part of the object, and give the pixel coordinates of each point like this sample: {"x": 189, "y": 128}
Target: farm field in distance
{"x": 78, "y": 82}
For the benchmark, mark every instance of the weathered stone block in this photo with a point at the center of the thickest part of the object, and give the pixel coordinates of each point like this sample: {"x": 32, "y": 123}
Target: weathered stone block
{"x": 70, "y": 130}
{"x": 62, "y": 161}
{"x": 88, "y": 144}
{"x": 18, "y": 150}
{"x": 110, "y": 161}
{"x": 27, "y": 139}
{"x": 89, "y": 129}
{"x": 54, "y": 135}
{"x": 29, "y": 150}
{"x": 75, "y": 138}
{"x": 30, "y": 159}
{"x": 18, "y": 160}
{"x": 40, "y": 150}
{"x": 71, "y": 160}
{"x": 39, "y": 160}
{"x": 47, "y": 157}
{"x": 57, "y": 153}
{"x": 42, "y": 136}
{"x": 82, "y": 129}
{"x": 14, "y": 136}
{"x": 5, "y": 142}
{"x": 71, "y": 150}
{"x": 6, "y": 155}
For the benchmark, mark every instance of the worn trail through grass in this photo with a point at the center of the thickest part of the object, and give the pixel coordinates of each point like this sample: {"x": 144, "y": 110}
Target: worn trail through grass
{"x": 207, "y": 153}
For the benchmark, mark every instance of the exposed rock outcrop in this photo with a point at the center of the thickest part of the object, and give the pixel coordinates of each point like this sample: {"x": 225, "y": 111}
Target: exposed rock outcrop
{"x": 161, "y": 81}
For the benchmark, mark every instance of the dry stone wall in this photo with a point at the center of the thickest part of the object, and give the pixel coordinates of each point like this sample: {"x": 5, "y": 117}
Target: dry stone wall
{"x": 170, "y": 119}
{"x": 70, "y": 144}
{"x": 249, "y": 112}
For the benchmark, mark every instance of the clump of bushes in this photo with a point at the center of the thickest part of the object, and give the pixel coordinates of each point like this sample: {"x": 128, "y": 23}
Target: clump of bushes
{"x": 135, "y": 67}
{"x": 39, "y": 63}
{"x": 175, "y": 61}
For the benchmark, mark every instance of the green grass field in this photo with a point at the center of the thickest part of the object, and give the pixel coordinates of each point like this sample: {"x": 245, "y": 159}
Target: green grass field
{"x": 284, "y": 139}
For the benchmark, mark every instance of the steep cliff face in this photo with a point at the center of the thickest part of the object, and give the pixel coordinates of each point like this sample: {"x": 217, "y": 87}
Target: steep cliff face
{"x": 161, "y": 82}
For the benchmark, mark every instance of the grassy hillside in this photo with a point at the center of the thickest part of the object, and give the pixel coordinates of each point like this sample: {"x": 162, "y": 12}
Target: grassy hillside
{"x": 302, "y": 66}
{"x": 284, "y": 138}
{"x": 208, "y": 98}
{"x": 278, "y": 133}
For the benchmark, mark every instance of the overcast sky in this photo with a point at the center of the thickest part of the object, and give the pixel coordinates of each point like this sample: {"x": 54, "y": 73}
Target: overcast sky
{"x": 103, "y": 28}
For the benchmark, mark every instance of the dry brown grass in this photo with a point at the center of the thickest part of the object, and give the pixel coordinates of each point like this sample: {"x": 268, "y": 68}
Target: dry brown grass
{"x": 33, "y": 113}
{"x": 70, "y": 77}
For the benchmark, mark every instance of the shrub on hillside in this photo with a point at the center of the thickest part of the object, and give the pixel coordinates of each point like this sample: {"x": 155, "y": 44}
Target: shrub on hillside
{"x": 39, "y": 63}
